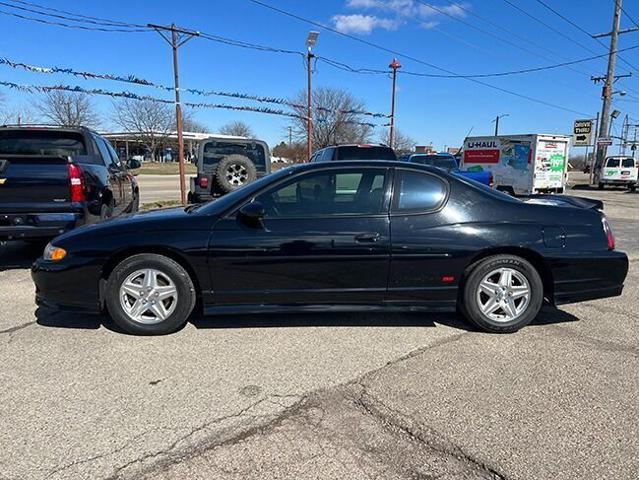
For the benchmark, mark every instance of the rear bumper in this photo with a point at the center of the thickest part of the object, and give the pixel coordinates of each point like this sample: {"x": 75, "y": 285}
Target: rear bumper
{"x": 579, "y": 279}
{"x": 16, "y": 226}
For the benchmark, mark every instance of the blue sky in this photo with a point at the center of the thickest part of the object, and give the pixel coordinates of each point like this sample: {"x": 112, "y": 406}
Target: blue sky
{"x": 440, "y": 111}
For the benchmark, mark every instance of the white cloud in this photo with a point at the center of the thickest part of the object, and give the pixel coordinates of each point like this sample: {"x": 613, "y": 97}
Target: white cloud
{"x": 363, "y": 24}
{"x": 428, "y": 25}
{"x": 409, "y": 8}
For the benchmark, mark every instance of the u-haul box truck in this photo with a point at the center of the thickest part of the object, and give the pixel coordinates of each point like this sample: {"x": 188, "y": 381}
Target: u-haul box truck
{"x": 520, "y": 164}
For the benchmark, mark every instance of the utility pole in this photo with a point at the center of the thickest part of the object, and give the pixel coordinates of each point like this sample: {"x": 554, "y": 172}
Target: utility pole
{"x": 624, "y": 134}
{"x": 394, "y": 66}
{"x": 610, "y": 79}
{"x": 594, "y": 150}
{"x": 179, "y": 37}
{"x": 497, "y": 122}
{"x": 311, "y": 41}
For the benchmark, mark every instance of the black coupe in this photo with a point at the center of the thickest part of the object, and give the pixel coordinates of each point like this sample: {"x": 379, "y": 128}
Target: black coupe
{"x": 338, "y": 236}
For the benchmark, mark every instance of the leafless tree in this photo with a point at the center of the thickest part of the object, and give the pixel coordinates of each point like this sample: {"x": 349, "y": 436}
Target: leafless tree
{"x": 191, "y": 124}
{"x": 401, "y": 143}
{"x": 150, "y": 122}
{"x": 333, "y": 118}
{"x": 237, "y": 129}
{"x": 70, "y": 109}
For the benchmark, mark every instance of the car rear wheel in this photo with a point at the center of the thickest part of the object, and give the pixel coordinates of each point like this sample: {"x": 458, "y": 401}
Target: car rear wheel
{"x": 502, "y": 294}
{"x": 149, "y": 294}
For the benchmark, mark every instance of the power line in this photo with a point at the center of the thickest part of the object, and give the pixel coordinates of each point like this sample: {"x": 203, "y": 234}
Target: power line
{"x": 141, "y": 28}
{"x": 410, "y": 57}
{"x": 67, "y": 25}
{"x": 582, "y": 30}
{"x": 87, "y": 17}
{"x": 371, "y": 71}
{"x": 558, "y": 32}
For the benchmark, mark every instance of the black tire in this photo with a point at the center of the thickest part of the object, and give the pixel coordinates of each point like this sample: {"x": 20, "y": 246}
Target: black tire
{"x": 135, "y": 207}
{"x": 233, "y": 172}
{"x": 184, "y": 286}
{"x": 476, "y": 273}
{"x": 632, "y": 188}
{"x": 106, "y": 211}
{"x": 600, "y": 186}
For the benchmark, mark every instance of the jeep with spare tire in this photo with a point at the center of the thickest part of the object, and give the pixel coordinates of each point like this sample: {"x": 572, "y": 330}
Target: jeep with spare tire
{"x": 225, "y": 164}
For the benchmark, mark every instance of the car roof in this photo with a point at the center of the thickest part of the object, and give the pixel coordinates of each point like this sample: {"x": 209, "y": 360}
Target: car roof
{"x": 345, "y": 164}
{"x": 359, "y": 145}
{"x": 46, "y": 128}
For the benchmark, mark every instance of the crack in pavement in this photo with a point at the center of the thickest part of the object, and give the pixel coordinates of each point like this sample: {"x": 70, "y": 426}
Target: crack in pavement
{"x": 18, "y": 327}
{"x": 425, "y": 435}
{"x": 173, "y": 453}
{"x": 596, "y": 342}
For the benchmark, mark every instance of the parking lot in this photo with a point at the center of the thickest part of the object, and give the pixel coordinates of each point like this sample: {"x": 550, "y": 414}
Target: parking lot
{"x": 323, "y": 395}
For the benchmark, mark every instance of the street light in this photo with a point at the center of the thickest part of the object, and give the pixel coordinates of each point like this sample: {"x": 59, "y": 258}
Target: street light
{"x": 613, "y": 115}
{"x": 311, "y": 41}
{"x": 496, "y": 122}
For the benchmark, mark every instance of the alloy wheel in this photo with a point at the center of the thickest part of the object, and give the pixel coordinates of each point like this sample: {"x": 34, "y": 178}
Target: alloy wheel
{"x": 236, "y": 174}
{"x": 503, "y": 294}
{"x": 148, "y": 296}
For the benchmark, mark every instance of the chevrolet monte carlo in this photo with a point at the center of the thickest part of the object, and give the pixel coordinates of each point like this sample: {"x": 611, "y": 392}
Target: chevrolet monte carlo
{"x": 338, "y": 236}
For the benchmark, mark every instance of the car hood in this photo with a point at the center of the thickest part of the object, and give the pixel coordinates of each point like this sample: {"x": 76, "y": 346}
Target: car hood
{"x": 178, "y": 218}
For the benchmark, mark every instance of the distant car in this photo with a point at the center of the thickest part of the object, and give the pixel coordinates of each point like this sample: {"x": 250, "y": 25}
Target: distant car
{"x": 448, "y": 162}
{"x": 227, "y": 163}
{"x": 54, "y": 179}
{"x": 336, "y": 237}
{"x": 366, "y": 151}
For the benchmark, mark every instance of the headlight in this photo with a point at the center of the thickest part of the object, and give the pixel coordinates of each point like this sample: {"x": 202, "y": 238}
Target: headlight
{"x": 54, "y": 254}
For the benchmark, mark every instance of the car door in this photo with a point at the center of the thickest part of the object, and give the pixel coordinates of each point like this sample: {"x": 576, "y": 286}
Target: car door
{"x": 114, "y": 175}
{"x": 324, "y": 239}
{"x": 422, "y": 241}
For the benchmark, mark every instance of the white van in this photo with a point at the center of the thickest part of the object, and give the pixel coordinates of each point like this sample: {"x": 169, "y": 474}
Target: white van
{"x": 617, "y": 170}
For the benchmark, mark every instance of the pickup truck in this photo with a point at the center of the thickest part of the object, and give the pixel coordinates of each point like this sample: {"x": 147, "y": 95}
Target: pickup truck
{"x": 54, "y": 179}
{"x": 448, "y": 162}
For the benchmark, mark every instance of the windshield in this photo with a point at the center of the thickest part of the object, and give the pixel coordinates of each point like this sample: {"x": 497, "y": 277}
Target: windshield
{"x": 440, "y": 161}
{"x": 230, "y": 199}
{"x": 41, "y": 142}
{"x": 365, "y": 153}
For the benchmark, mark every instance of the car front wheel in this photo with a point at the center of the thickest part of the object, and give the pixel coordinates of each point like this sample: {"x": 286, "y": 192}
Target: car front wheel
{"x": 502, "y": 294}
{"x": 149, "y": 294}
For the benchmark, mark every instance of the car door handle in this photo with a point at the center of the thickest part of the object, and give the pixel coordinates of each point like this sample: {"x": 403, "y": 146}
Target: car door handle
{"x": 367, "y": 237}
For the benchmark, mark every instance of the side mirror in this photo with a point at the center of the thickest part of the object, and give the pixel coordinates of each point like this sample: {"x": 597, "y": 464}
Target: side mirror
{"x": 132, "y": 164}
{"x": 252, "y": 214}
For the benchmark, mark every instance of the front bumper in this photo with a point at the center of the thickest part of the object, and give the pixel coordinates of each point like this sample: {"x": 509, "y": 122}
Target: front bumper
{"x": 577, "y": 279}
{"x": 67, "y": 285}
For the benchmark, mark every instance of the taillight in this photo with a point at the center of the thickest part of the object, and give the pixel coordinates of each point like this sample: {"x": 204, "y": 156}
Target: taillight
{"x": 609, "y": 235}
{"x": 204, "y": 182}
{"x": 76, "y": 181}
{"x": 491, "y": 180}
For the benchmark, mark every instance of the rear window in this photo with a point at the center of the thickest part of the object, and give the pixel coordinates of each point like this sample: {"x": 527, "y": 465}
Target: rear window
{"x": 216, "y": 151}
{"x": 439, "y": 161}
{"x": 628, "y": 163}
{"x": 34, "y": 142}
{"x": 365, "y": 153}
{"x": 612, "y": 163}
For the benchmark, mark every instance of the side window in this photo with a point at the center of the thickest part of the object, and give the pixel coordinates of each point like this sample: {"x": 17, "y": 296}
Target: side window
{"x": 114, "y": 155}
{"x": 104, "y": 151}
{"x": 328, "y": 155}
{"x": 352, "y": 192}
{"x": 417, "y": 192}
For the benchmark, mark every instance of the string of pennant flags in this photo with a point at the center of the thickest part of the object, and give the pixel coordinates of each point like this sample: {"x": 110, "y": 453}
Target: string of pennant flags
{"x": 135, "y": 96}
{"x": 133, "y": 79}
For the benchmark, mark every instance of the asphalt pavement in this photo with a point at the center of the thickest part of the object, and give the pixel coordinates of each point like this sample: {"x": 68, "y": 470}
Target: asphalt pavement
{"x": 155, "y": 188}
{"x": 331, "y": 396}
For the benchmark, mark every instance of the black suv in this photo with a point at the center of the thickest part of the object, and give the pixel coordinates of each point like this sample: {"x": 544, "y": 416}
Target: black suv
{"x": 53, "y": 179}
{"x": 377, "y": 151}
{"x": 225, "y": 164}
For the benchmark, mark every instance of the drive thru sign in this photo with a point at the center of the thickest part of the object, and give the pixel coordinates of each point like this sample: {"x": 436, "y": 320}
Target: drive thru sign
{"x": 582, "y": 133}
